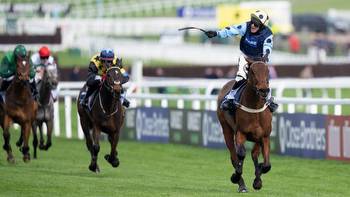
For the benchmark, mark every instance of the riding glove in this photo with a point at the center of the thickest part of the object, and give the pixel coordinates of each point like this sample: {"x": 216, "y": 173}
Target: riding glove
{"x": 211, "y": 34}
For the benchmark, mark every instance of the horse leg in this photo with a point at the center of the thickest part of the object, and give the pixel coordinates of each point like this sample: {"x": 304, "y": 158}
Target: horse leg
{"x": 49, "y": 125}
{"x": 229, "y": 140}
{"x": 20, "y": 140}
{"x": 25, "y": 149}
{"x": 266, "y": 166}
{"x": 41, "y": 142}
{"x": 240, "y": 151}
{"x": 35, "y": 139}
{"x": 112, "y": 158}
{"x": 6, "y": 135}
{"x": 95, "y": 149}
{"x": 255, "y": 155}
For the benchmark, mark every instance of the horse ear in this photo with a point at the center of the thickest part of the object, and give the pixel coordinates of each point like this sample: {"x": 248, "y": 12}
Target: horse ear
{"x": 120, "y": 62}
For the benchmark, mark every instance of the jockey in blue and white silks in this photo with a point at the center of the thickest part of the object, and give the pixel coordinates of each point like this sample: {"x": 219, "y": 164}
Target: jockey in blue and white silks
{"x": 256, "y": 42}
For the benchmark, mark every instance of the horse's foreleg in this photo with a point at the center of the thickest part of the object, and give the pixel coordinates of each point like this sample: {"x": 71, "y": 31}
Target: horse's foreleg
{"x": 255, "y": 155}
{"x": 26, "y": 133}
{"x": 241, "y": 152}
{"x": 49, "y": 125}
{"x": 6, "y": 135}
{"x": 95, "y": 150}
{"x": 266, "y": 166}
{"x": 35, "y": 139}
{"x": 41, "y": 141}
{"x": 112, "y": 158}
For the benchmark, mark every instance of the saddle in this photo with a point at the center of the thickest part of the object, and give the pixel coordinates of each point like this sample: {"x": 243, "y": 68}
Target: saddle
{"x": 91, "y": 99}
{"x": 236, "y": 96}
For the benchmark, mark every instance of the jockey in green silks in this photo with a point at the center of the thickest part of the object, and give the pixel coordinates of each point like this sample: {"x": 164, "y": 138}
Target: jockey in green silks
{"x": 8, "y": 69}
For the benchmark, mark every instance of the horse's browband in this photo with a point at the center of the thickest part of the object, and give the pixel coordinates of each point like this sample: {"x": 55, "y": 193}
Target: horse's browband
{"x": 112, "y": 68}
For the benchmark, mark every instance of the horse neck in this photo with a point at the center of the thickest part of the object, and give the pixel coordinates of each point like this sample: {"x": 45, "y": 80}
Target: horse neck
{"x": 20, "y": 88}
{"x": 109, "y": 101}
{"x": 44, "y": 92}
{"x": 250, "y": 98}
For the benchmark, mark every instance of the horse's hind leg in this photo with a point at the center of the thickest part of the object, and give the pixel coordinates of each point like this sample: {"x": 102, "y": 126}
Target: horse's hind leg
{"x": 20, "y": 141}
{"x": 112, "y": 157}
{"x": 255, "y": 155}
{"x": 49, "y": 125}
{"x": 6, "y": 135}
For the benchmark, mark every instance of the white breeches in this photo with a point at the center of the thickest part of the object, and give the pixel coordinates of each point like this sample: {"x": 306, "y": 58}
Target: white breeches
{"x": 242, "y": 68}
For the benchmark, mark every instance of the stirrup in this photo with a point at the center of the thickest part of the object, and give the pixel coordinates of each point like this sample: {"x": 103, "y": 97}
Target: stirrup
{"x": 126, "y": 103}
{"x": 227, "y": 105}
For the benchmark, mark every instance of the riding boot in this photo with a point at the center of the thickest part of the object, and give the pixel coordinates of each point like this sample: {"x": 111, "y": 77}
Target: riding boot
{"x": 4, "y": 85}
{"x": 84, "y": 101}
{"x": 272, "y": 105}
{"x": 125, "y": 102}
{"x": 34, "y": 90}
{"x": 228, "y": 104}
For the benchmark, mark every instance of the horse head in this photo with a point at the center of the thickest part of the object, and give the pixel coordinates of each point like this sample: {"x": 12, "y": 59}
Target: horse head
{"x": 258, "y": 77}
{"x": 22, "y": 68}
{"x": 113, "y": 80}
{"x": 50, "y": 75}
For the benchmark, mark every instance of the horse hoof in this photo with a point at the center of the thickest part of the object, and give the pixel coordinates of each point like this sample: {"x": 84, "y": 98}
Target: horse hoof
{"x": 264, "y": 169}
{"x": 94, "y": 168}
{"x": 242, "y": 189}
{"x": 18, "y": 144}
{"x": 42, "y": 147}
{"x": 47, "y": 146}
{"x": 26, "y": 158}
{"x": 257, "y": 184}
{"x": 235, "y": 178}
{"x": 114, "y": 162}
{"x": 11, "y": 160}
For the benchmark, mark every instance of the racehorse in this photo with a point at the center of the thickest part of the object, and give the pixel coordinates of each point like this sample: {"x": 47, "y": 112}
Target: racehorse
{"x": 106, "y": 115}
{"x": 45, "y": 110}
{"x": 251, "y": 121}
{"x": 19, "y": 107}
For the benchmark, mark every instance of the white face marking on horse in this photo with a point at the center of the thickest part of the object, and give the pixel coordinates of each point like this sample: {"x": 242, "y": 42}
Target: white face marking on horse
{"x": 116, "y": 72}
{"x": 24, "y": 63}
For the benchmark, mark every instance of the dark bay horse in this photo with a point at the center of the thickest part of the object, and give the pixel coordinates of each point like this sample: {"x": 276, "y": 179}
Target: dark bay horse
{"x": 252, "y": 122}
{"x": 106, "y": 115}
{"x": 19, "y": 107}
{"x": 45, "y": 110}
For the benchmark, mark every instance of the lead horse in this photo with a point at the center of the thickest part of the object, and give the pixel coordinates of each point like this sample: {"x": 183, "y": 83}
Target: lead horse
{"x": 251, "y": 121}
{"x": 19, "y": 107}
{"x": 106, "y": 115}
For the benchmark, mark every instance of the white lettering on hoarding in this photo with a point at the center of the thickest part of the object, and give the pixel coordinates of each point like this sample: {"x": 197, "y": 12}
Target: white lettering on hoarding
{"x": 154, "y": 125}
{"x": 301, "y": 136}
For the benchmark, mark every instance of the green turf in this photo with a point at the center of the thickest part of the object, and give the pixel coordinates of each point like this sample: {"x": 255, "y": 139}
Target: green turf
{"x": 162, "y": 170}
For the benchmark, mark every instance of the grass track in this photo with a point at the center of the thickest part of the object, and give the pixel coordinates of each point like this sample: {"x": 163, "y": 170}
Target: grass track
{"x": 162, "y": 170}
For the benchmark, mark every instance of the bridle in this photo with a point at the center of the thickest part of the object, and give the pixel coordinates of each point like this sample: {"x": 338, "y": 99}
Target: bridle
{"x": 110, "y": 89}
{"x": 260, "y": 92}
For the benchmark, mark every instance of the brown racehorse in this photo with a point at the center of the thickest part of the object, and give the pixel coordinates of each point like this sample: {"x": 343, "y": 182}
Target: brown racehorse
{"x": 19, "y": 107}
{"x": 252, "y": 122}
{"x": 106, "y": 115}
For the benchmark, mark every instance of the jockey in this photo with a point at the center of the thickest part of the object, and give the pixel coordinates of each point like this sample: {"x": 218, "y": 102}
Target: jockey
{"x": 256, "y": 42}
{"x": 98, "y": 66}
{"x": 8, "y": 70}
{"x": 43, "y": 59}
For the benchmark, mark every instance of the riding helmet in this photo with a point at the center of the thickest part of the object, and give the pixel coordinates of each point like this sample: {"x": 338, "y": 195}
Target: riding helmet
{"x": 44, "y": 52}
{"x": 260, "y": 17}
{"x": 20, "y": 51}
{"x": 107, "y": 54}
